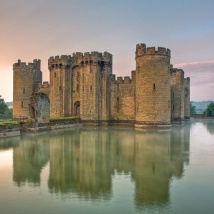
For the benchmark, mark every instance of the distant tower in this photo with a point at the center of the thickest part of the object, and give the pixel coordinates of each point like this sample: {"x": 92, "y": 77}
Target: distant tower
{"x": 153, "y": 90}
{"x": 60, "y": 86}
{"x": 187, "y": 98}
{"x": 25, "y": 81}
{"x": 177, "y": 94}
{"x": 95, "y": 70}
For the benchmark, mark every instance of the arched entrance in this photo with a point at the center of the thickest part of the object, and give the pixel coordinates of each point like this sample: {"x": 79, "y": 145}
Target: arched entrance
{"x": 77, "y": 108}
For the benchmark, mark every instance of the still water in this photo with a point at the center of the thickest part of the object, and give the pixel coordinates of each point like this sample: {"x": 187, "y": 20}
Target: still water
{"x": 109, "y": 170}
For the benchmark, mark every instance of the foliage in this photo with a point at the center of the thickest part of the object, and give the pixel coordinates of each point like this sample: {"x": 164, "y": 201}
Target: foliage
{"x": 192, "y": 109}
{"x": 209, "y": 110}
{"x": 4, "y": 110}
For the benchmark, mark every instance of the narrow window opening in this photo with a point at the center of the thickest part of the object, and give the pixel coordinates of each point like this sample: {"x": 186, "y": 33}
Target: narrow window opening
{"x": 154, "y": 87}
{"x": 60, "y": 87}
{"x": 91, "y": 88}
{"x": 22, "y": 104}
{"x": 23, "y": 90}
{"x": 77, "y": 88}
{"x": 54, "y": 74}
{"x": 172, "y": 107}
{"x": 118, "y": 104}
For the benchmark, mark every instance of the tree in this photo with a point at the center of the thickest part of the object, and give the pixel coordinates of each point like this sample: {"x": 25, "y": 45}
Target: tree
{"x": 192, "y": 109}
{"x": 209, "y": 111}
{"x": 4, "y": 110}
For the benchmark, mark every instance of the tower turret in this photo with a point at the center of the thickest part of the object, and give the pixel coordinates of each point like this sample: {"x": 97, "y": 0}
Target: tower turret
{"x": 25, "y": 80}
{"x": 153, "y": 91}
{"x": 187, "y": 98}
{"x": 60, "y": 87}
{"x": 95, "y": 69}
{"x": 177, "y": 94}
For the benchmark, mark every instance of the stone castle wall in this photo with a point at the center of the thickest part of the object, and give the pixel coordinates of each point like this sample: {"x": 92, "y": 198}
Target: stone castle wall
{"x": 44, "y": 88}
{"x": 39, "y": 108}
{"x": 25, "y": 80}
{"x": 122, "y": 98}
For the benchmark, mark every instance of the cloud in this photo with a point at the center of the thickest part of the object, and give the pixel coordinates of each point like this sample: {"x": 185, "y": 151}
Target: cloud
{"x": 201, "y": 78}
{"x": 201, "y": 73}
{"x": 197, "y": 66}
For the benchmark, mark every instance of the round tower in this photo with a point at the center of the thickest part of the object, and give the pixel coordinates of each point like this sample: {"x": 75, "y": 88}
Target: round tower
{"x": 153, "y": 91}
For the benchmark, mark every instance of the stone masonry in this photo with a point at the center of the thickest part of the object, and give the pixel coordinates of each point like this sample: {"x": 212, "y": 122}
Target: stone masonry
{"x": 153, "y": 90}
{"x": 83, "y": 85}
{"x": 25, "y": 80}
{"x": 177, "y": 94}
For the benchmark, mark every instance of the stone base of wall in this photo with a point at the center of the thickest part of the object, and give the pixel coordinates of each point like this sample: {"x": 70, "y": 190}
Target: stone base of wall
{"x": 50, "y": 127}
{"x": 95, "y": 122}
{"x": 148, "y": 125}
{"x": 9, "y": 134}
{"x": 107, "y": 122}
{"x": 178, "y": 121}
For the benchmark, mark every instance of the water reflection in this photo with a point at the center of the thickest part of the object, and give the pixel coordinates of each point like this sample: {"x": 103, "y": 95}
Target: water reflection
{"x": 29, "y": 159}
{"x": 79, "y": 164}
{"x": 83, "y": 161}
{"x": 8, "y": 143}
{"x": 209, "y": 125}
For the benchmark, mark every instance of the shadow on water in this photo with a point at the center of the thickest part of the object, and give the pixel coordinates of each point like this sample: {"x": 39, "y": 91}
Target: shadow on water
{"x": 83, "y": 161}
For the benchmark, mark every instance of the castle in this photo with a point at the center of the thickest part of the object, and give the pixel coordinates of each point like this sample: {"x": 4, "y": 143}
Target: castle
{"x": 83, "y": 85}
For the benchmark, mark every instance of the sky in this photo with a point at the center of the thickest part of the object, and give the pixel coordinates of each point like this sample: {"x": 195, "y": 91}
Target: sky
{"x": 43, "y": 28}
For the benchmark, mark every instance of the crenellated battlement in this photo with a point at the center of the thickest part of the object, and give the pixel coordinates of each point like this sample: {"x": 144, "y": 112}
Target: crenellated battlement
{"x": 141, "y": 49}
{"x": 179, "y": 70}
{"x": 31, "y": 65}
{"x": 93, "y": 57}
{"x": 79, "y": 58}
{"x": 120, "y": 80}
{"x": 59, "y": 60}
{"x": 44, "y": 85}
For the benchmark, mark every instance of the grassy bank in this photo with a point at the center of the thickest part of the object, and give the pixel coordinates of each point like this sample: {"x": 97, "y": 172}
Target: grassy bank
{"x": 10, "y": 122}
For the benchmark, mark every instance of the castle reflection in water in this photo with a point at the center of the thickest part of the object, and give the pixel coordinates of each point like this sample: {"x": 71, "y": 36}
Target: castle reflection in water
{"x": 83, "y": 161}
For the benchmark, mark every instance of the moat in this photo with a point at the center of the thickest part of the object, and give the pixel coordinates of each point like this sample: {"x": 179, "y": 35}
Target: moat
{"x": 109, "y": 170}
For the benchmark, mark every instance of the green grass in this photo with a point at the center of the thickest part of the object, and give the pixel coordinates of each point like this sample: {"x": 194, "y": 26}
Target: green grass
{"x": 11, "y": 122}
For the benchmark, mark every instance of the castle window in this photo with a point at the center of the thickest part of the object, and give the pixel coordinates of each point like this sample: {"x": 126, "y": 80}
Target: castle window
{"x": 54, "y": 74}
{"x": 172, "y": 94}
{"x": 22, "y": 104}
{"x": 91, "y": 88}
{"x": 118, "y": 104}
{"x": 60, "y": 87}
{"x": 154, "y": 87}
{"x": 186, "y": 91}
{"x": 77, "y": 87}
{"x": 23, "y": 90}
{"x": 172, "y": 107}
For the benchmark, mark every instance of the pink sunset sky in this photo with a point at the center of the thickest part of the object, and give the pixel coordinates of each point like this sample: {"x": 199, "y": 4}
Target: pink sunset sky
{"x": 43, "y": 28}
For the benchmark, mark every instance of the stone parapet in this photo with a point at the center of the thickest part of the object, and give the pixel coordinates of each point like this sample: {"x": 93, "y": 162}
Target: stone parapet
{"x": 141, "y": 49}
